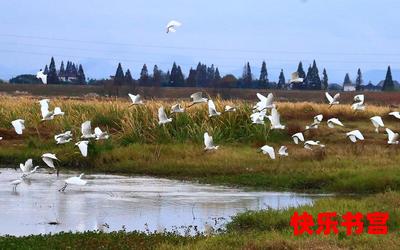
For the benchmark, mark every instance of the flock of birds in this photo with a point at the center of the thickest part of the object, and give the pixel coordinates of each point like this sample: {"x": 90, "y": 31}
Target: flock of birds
{"x": 264, "y": 109}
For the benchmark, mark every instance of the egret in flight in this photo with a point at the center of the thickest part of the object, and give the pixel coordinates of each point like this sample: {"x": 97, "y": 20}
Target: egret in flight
{"x": 377, "y": 122}
{"x": 212, "y": 110}
{"x": 283, "y": 151}
{"x": 136, "y": 99}
{"x": 172, "y": 25}
{"x": 19, "y": 126}
{"x": 396, "y": 114}
{"x": 162, "y": 117}
{"x": 100, "y": 135}
{"x": 229, "y": 109}
{"x": 83, "y": 147}
{"x": 334, "y": 122}
{"x": 298, "y": 137}
{"x": 268, "y": 150}
{"x": 86, "y": 129}
{"x": 197, "y": 98}
{"x": 63, "y": 138}
{"x": 355, "y": 136}
{"x": 275, "y": 120}
{"x": 332, "y": 100}
{"x": 317, "y": 120}
{"x": 49, "y": 159}
{"x": 76, "y": 180}
{"x": 265, "y": 102}
{"x": 43, "y": 77}
{"x": 209, "y": 143}
{"x": 310, "y": 144}
{"x": 393, "y": 138}
{"x": 177, "y": 108}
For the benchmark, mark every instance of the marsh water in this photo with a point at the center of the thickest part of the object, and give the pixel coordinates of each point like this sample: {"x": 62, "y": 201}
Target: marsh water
{"x": 111, "y": 202}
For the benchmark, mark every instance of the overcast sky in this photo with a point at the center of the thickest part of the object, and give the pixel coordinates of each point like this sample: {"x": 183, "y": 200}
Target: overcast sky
{"x": 341, "y": 35}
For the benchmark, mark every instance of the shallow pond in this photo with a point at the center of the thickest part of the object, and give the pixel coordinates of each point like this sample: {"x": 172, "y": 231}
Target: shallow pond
{"x": 111, "y": 202}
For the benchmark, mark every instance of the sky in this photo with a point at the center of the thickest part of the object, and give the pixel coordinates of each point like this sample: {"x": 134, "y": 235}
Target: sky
{"x": 341, "y": 35}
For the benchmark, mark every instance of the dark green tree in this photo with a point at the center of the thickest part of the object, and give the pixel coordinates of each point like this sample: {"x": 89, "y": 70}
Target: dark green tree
{"x": 128, "y": 78}
{"x": 201, "y": 75}
{"x": 388, "y": 84}
{"x": 46, "y": 70}
{"x": 173, "y": 78}
{"x": 81, "y": 75}
{"x": 359, "y": 80}
{"x": 300, "y": 70}
{"x": 347, "y": 79}
{"x": 325, "y": 81}
{"x": 156, "y": 76}
{"x": 52, "y": 77}
{"x": 119, "y": 78}
{"x": 264, "y": 74}
{"x": 247, "y": 77}
{"x": 315, "y": 79}
{"x": 180, "y": 78}
{"x": 144, "y": 75}
{"x": 282, "y": 80}
{"x": 191, "y": 80}
{"x": 62, "y": 70}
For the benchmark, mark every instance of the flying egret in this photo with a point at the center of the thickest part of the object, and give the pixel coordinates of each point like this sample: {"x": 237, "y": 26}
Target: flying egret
{"x": 332, "y": 100}
{"x": 209, "y": 143}
{"x": 49, "y": 159}
{"x": 26, "y": 167}
{"x": 265, "y": 102}
{"x": 63, "y": 137}
{"x": 44, "y": 108}
{"x": 100, "y": 135}
{"x": 83, "y": 147}
{"x": 229, "y": 109}
{"x": 86, "y": 129}
{"x": 377, "y": 122}
{"x": 76, "y": 180}
{"x": 334, "y": 122}
{"x": 317, "y": 120}
{"x": 283, "y": 151}
{"x": 355, "y": 135}
{"x": 197, "y": 98}
{"x": 310, "y": 144}
{"x": 15, "y": 183}
{"x": 57, "y": 111}
{"x": 258, "y": 117}
{"x": 359, "y": 98}
{"x": 298, "y": 137}
{"x": 40, "y": 75}
{"x": 358, "y": 103}
{"x": 296, "y": 78}
{"x": 275, "y": 120}
{"x": 268, "y": 150}
{"x": 393, "y": 138}
{"x": 172, "y": 25}
{"x": 19, "y": 126}
{"x": 396, "y": 114}
{"x": 136, "y": 99}
{"x": 30, "y": 172}
{"x": 177, "y": 108}
{"x": 162, "y": 116}
{"x": 212, "y": 110}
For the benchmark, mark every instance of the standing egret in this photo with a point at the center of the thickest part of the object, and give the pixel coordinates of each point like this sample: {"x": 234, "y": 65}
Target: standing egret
{"x": 162, "y": 117}
{"x": 334, "y": 122}
{"x": 377, "y": 122}
{"x": 83, "y": 147}
{"x": 268, "y": 150}
{"x": 15, "y": 183}
{"x": 275, "y": 120}
{"x": 86, "y": 129}
{"x": 317, "y": 120}
{"x": 310, "y": 144}
{"x": 212, "y": 110}
{"x": 43, "y": 77}
{"x": 283, "y": 151}
{"x": 100, "y": 135}
{"x": 396, "y": 114}
{"x": 136, "y": 100}
{"x": 209, "y": 143}
{"x": 229, "y": 109}
{"x": 49, "y": 159}
{"x": 177, "y": 108}
{"x": 19, "y": 126}
{"x": 332, "y": 100}
{"x": 172, "y": 25}
{"x": 197, "y": 98}
{"x": 393, "y": 138}
{"x": 355, "y": 135}
{"x": 76, "y": 180}
{"x": 63, "y": 138}
{"x": 298, "y": 137}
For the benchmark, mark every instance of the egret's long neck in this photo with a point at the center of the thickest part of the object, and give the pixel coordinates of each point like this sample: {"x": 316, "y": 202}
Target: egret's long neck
{"x": 80, "y": 176}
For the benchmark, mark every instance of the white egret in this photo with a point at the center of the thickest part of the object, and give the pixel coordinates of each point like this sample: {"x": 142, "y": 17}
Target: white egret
{"x": 393, "y": 138}
{"x": 136, "y": 99}
{"x": 19, "y": 126}
{"x": 43, "y": 77}
{"x": 396, "y": 114}
{"x": 332, "y": 100}
{"x": 310, "y": 144}
{"x": 172, "y": 25}
{"x": 377, "y": 122}
{"x": 49, "y": 159}
{"x": 209, "y": 143}
{"x": 359, "y": 98}
{"x": 275, "y": 120}
{"x": 212, "y": 110}
{"x": 229, "y": 109}
{"x": 296, "y": 78}
{"x": 334, "y": 122}
{"x": 258, "y": 117}
{"x": 162, "y": 116}
{"x": 317, "y": 120}
{"x": 197, "y": 98}
{"x": 355, "y": 135}
{"x": 100, "y": 135}
{"x": 63, "y": 137}
{"x": 177, "y": 108}
{"x": 44, "y": 108}
{"x": 15, "y": 183}
{"x": 265, "y": 102}
{"x": 27, "y": 166}
{"x": 298, "y": 137}
{"x": 58, "y": 112}
{"x": 86, "y": 129}
{"x": 83, "y": 147}
{"x": 30, "y": 172}
{"x": 76, "y": 180}
{"x": 283, "y": 151}
{"x": 268, "y": 150}
{"x": 358, "y": 102}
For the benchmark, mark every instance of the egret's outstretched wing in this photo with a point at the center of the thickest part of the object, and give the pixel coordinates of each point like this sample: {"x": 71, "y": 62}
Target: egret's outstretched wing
{"x": 86, "y": 128}
{"x": 83, "y": 147}
{"x": 18, "y": 126}
{"x": 162, "y": 116}
{"x": 329, "y": 97}
{"x": 269, "y": 150}
{"x": 98, "y": 132}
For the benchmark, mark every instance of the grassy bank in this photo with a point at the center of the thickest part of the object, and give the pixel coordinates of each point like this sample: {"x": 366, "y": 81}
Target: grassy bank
{"x": 252, "y": 230}
{"x": 138, "y": 145}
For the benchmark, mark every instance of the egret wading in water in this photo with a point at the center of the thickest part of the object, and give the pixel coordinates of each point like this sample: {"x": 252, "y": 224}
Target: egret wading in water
{"x": 76, "y": 180}
{"x": 15, "y": 183}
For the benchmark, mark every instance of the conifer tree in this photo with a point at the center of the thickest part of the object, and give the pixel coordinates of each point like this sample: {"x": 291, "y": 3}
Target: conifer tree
{"x": 282, "y": 80}
{"x": 81, "y": 75}
{"x": 359, "y": 80}
{"x": 325, "y": 81}
{"x": 52, "y": 77}
{"x": 128, "y": 78}
{"x": 156, "y": 76}
{"x": 300, "y": 70}
{"x": 119, "y": 78}
{"x": 191, "y": 80}
{"x": 263, "y": 74}
{"x": 62, "y": 70}
{"x": 247, "y": 76}
{"x": 144, "y": 75}
{"x": 347, "y": 79}
{"x": 388, "y": 84}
